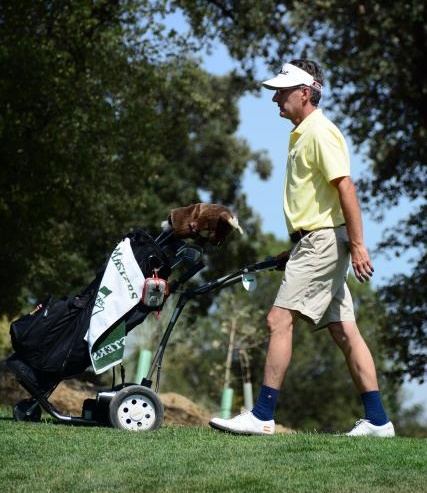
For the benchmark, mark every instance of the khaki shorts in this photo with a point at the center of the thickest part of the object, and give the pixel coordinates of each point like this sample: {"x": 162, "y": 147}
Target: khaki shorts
{"x": 314, "y": 282}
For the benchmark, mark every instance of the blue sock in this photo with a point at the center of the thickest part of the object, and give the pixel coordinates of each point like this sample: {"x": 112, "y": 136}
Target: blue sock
{"x": 266, "y": 403}
{"x": 374, "y": 410}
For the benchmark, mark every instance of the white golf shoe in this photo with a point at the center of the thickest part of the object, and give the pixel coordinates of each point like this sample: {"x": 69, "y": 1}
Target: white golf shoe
{"x": 244, "y": 424}
{"x": 364, "y": 428}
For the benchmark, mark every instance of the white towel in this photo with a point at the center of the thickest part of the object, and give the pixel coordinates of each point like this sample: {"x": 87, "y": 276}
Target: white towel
{"x": 120, "y": 290}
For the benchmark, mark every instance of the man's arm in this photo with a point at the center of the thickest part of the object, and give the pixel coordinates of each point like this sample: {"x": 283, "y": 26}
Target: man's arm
{"x": 361, "y": 262}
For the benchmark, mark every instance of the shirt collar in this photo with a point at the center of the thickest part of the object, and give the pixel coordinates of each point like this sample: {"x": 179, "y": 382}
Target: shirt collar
{"x": 299, "y": 129}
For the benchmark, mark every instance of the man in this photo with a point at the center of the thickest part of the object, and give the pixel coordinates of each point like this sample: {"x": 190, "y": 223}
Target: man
{"x": 325, "y": 226}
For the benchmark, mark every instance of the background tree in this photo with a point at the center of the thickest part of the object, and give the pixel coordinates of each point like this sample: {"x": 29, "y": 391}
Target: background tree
{"x": 373, "y": 53}
{"x": 105, "y": 123}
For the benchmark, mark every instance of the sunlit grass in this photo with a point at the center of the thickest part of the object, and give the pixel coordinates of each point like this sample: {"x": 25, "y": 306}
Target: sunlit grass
{"x": 53, "y": 457}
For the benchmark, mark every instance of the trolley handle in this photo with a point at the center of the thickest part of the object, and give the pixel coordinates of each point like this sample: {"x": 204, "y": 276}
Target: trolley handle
{"x": 268, "y": 264}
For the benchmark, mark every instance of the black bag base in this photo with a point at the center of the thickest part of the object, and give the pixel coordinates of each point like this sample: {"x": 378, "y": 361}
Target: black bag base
{"x": 36, "y": 383}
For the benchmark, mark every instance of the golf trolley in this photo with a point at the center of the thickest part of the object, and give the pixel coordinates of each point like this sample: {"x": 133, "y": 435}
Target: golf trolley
{"x": 127, "y": 406}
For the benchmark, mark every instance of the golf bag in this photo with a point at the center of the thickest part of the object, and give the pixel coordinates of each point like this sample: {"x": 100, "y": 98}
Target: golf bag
{"x": 50, "y": 340}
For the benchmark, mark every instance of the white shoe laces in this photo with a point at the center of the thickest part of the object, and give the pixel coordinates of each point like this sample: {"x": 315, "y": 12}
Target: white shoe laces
{"x": 360, "y": 422}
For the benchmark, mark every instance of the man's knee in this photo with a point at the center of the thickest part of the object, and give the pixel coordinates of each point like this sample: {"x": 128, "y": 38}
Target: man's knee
{"x": 280, "y": 319}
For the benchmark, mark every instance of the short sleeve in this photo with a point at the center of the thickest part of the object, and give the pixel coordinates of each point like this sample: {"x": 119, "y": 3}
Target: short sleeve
{"x": 331, "y": 154}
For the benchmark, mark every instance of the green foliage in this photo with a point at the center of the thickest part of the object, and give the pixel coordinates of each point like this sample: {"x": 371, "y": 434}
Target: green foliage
{"x": 403, "y": 332}
{"x": 5, "y": 343}
{"x": 106, "y": 122}
{"x": 185, "y": 459}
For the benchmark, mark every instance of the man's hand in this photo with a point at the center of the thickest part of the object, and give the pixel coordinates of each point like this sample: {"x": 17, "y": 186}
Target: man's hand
{"x": 282, "y": 258}
{"x": 361, "y": 262}
{"x": 362, "y": 265}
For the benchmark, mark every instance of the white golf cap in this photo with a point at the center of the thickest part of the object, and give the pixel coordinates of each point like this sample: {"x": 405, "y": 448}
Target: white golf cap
{"x": 291, "y": 76}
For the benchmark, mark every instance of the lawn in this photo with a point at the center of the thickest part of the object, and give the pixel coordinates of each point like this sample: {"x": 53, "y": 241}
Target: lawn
{"x": 54, "y": 457}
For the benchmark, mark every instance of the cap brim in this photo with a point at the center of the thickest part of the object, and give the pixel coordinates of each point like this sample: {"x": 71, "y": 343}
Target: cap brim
{"x": 289, "y": 76}
{"x": 282, "y": 82}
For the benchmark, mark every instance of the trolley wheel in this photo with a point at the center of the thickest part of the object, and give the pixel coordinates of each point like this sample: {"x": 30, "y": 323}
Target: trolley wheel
{"x": 27, "y": 410}
{"x": 136, "y": 408}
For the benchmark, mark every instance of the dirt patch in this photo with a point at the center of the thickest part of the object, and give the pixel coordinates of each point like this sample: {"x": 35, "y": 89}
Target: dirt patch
{"x": 181, "y": 411}
{"x": 68, "y": 398}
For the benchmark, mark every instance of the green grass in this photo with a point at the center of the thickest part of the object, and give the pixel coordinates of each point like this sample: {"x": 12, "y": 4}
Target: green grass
{"x": 53, "y": 457}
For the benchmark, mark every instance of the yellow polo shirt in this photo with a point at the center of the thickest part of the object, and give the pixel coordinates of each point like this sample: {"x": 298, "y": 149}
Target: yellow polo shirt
{"x": 317, "y": 154}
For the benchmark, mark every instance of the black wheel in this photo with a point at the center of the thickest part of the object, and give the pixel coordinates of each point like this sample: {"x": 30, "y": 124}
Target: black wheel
{"x": 136, "y": 408}
{"x": 27, "y": 410}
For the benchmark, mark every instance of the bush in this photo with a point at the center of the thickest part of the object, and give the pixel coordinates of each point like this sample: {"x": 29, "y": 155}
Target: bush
{"x": 5, "y": 343}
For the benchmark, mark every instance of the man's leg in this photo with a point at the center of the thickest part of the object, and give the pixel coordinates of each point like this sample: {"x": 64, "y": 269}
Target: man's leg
{"x": 362, "y": 369}
{"x": 357, "y": 354}
{"x": 260, "y": 420}
{"x": 280, "y": 322}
